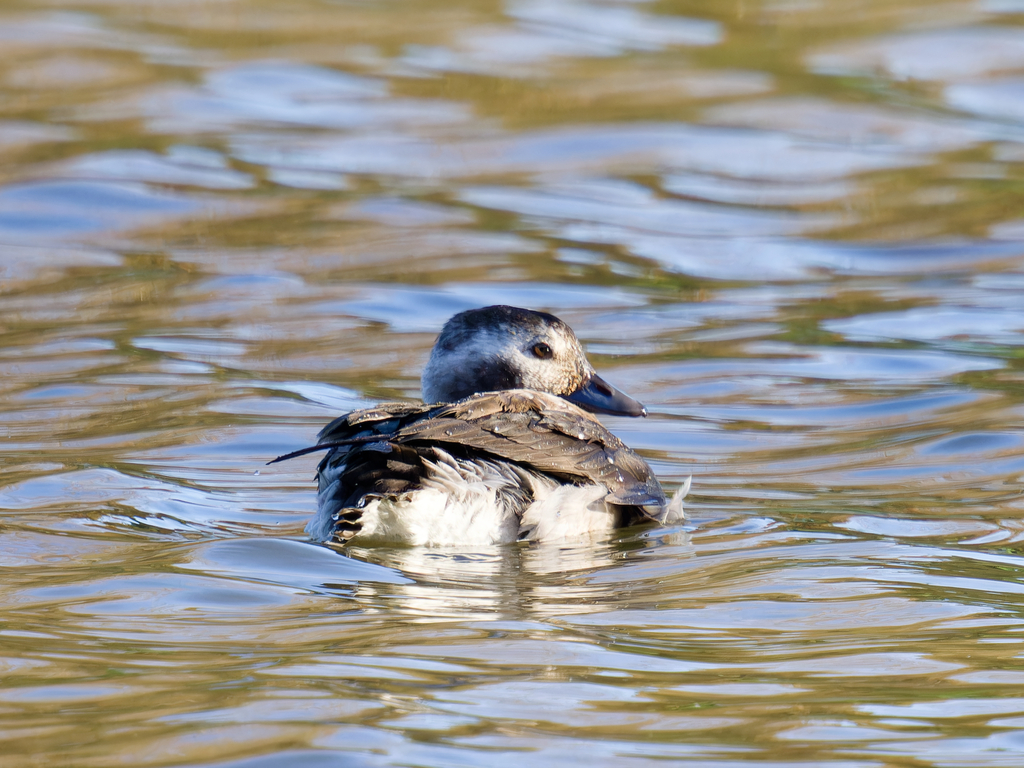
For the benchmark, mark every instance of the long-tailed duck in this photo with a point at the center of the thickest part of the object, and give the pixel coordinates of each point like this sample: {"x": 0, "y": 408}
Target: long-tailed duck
{"x": 502, "y": 451}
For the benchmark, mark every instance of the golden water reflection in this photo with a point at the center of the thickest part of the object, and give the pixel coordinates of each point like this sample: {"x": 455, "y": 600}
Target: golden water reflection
{"x": 793, "y": 230}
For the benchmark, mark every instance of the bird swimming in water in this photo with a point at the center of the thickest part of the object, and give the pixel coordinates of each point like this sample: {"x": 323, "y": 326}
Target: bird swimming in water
{"x": 503, "y": 448}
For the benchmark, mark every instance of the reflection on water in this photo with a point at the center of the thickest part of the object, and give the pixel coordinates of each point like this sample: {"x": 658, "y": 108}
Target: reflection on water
{"x": 795, "y": 231}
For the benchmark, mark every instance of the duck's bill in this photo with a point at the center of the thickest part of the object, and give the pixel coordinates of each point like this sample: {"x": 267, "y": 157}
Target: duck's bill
{"x": 598, "y": 396}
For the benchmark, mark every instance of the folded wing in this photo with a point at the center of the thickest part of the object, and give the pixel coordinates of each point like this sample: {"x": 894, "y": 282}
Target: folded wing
{"x": 536, "y": 430}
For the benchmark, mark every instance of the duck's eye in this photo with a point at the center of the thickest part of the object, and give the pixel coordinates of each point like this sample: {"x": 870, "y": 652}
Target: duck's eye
{"x": 542, "y": 350}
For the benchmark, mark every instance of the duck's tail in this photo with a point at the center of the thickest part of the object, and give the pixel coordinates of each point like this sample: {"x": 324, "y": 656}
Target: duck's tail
{"x": 673, "y": 511}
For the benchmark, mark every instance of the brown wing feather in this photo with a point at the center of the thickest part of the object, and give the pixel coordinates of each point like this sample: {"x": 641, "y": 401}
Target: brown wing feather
{"x": 529, "y": 428}
{"x": 383, "y": 419}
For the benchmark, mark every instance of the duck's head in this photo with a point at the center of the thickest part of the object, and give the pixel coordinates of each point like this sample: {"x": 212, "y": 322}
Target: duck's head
{"x": 496, "y": 348}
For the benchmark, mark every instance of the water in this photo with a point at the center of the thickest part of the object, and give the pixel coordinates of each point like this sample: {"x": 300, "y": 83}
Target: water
{"x": 793, "y": 230}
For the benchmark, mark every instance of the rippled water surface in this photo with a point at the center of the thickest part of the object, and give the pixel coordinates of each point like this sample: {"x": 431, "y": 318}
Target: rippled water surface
{"x": 795, "y": 230}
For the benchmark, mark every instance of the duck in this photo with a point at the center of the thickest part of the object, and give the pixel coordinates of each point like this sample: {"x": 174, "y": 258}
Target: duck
{"x": 505, "y": 447}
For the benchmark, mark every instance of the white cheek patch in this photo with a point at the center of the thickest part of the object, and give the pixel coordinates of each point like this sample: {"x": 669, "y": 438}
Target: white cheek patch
{"x": 457, "y": 370}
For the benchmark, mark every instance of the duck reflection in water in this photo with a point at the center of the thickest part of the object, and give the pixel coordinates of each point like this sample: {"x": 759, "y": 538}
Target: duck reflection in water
{"x": 505, "y": 449}
{"x": 541, "y": 582}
